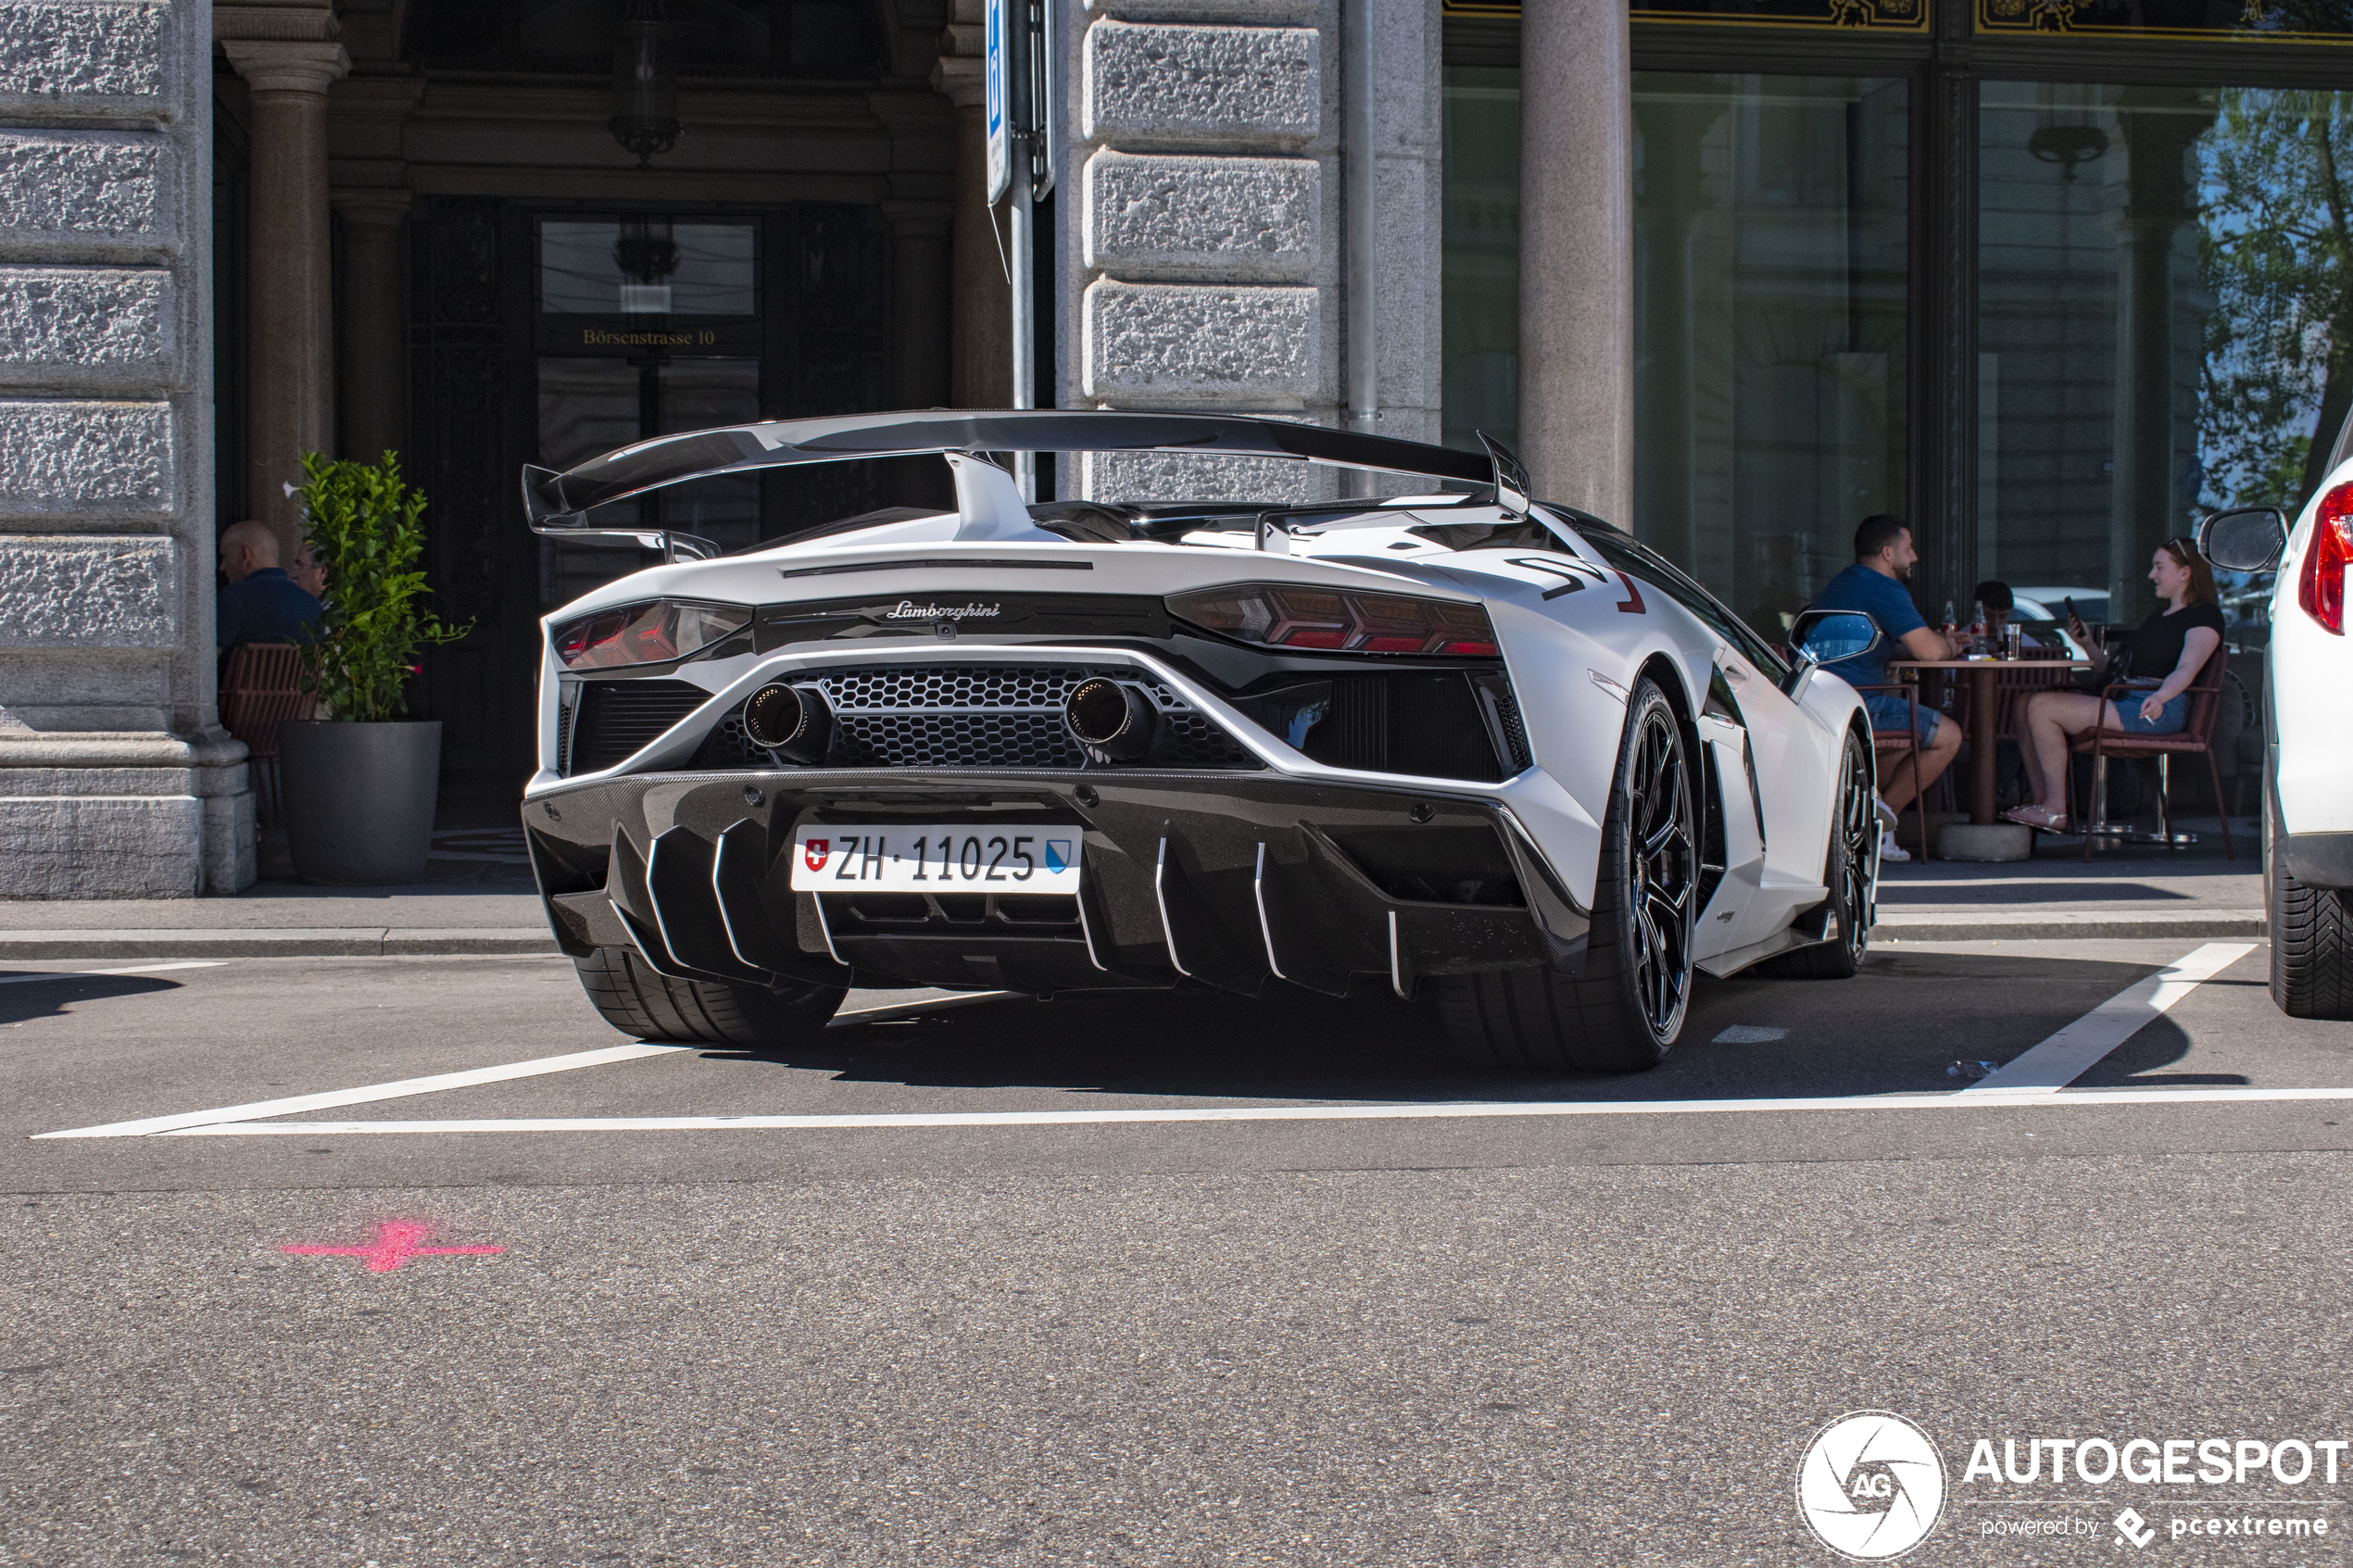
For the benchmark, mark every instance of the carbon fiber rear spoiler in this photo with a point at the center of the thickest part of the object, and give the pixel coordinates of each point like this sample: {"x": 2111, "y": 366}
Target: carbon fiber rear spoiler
{"x": 553, "y": 501}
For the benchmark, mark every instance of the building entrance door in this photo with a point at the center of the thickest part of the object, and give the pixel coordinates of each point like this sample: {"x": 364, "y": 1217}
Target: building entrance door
{"x": 548, "y": 337}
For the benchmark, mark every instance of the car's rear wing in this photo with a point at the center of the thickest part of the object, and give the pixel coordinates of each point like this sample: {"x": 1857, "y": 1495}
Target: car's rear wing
{"x": 553, "y": 501}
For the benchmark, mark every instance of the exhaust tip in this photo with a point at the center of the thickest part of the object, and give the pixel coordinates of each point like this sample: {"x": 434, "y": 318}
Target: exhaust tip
{"x": 793, "y": 721}
{"x": 1113, "y": 721}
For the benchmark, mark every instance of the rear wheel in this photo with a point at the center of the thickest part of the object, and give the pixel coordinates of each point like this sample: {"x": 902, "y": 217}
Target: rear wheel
{"x": 637, "y": 1001}
{"x": 1624, "y": 1013}
{"x": 2311, "y": 937}
{"x": 1850, "y": 871}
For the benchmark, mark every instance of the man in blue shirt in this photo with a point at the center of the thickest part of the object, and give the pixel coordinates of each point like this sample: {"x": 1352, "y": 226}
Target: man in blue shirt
{"x": 261, "y": 604}
{"x": 1874, "y": 584}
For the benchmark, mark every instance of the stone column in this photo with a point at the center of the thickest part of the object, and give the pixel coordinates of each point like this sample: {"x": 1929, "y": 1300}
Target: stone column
{"x": 1577, "y": 255}
{"x": 289, "y": 276}
{"x": 373, "y": 368}
{"x": 980, "y": 374}
{"x": 1205, "y": 257}
{"x": 116, "y": 782}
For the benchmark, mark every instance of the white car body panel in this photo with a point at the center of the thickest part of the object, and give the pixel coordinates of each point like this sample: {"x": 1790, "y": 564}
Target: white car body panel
{"x": 2311, "y": 677}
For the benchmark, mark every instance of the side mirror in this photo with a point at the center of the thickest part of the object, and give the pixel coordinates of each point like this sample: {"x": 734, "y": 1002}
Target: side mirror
{"x": 1825, "y": 636}
{"x": 2247, "y": 540}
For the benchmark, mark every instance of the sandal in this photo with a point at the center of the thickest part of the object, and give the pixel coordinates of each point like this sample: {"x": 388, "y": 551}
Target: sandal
{"x": 2041, "y": 818}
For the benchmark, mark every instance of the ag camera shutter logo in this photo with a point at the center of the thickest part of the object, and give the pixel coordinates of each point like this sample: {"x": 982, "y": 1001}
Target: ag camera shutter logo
{"x": 1872, "y": 1486}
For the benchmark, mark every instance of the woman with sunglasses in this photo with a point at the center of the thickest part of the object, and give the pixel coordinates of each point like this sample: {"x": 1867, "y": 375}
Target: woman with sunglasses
{"x": 2177, "y": 640}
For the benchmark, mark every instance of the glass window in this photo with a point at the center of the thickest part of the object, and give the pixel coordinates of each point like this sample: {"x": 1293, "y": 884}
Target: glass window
{"x": 1770, "y": 295}
{"x": 646, "y": 266}
{"x": 1480, "y": 291}
{"x": 2162, "y": 280}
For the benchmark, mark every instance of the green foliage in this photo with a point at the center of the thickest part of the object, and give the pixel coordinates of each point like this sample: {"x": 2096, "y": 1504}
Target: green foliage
{"x": 2276, "y": 253}
{"x": 362, "y": 522}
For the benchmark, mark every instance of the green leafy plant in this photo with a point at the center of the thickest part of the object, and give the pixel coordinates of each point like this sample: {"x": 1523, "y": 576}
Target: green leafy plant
{"x": 362, "y": 522}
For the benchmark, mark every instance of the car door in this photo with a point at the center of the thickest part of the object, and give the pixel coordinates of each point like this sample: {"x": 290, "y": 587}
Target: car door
{"x": 1789, "y": 770}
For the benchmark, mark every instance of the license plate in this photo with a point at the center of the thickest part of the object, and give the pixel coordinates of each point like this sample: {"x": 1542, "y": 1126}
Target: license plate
{"x": 837, "y": 857}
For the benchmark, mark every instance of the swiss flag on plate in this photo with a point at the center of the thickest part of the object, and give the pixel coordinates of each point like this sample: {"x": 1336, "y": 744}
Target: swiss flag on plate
{"x": 814, "y": 852}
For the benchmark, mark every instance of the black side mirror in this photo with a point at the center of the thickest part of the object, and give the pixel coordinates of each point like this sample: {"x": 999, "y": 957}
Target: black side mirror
{"x": 2247, "y": 540}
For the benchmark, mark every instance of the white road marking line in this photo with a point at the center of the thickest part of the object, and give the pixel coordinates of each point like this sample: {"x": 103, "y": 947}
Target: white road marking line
{"x": 135, "y": 969}
{"x": 1963, "y": 1101}
{"x": 396, "y": 1090}
{"x": 2067, "y": 1055}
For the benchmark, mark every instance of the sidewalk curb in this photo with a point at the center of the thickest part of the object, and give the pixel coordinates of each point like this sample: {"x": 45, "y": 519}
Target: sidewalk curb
{"x": 315, "y": 942}
{"x": 2063, "y": 925}
{"x": 382, "y": 941}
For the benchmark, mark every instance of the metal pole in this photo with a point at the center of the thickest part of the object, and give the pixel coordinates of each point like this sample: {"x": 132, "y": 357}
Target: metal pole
{"x": 1025, "y": 328}
{"x": 1364, "y": 318}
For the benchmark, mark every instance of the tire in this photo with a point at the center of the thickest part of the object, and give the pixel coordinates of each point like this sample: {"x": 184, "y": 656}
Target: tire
{"x": 2311, "y": 937}
{"x": 1850, "y": 871}
{"x": 637, "y": 1001}
{"x": 1625, "y": 1012}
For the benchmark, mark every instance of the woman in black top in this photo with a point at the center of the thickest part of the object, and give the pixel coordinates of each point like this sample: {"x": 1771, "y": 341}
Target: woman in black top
{"x": 2171, "y": 648}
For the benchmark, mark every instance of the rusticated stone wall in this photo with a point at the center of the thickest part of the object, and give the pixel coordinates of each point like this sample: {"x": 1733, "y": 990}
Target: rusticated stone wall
{"x": 115, "y": 779}
{"x": 1205, "y": 251}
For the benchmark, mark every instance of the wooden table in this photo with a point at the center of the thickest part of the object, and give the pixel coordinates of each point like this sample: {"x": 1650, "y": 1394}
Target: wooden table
{"x": 1982, "y": 679}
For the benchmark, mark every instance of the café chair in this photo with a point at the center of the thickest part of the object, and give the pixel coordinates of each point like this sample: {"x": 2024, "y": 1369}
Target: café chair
{"x": 2194, "y": 738}
{"x": 261, "y": 689}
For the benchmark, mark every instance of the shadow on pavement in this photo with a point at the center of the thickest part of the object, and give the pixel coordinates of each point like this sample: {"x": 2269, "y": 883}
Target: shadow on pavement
{"x": 23, "y": 999}
{"x": 1897, "y": 1028}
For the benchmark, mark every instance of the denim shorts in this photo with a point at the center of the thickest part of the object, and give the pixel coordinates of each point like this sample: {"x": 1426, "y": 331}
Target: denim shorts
{"x": 1890, "y": 711}
{"x": 2170, "y": 718}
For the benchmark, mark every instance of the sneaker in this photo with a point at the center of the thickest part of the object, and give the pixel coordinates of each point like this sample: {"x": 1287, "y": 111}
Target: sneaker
{"x": 1890, "y": 850}
{"x": 1887, "y": 817}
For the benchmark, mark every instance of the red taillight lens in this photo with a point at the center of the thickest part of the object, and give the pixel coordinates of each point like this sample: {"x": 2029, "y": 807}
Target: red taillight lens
{"x": 1324, "y": 618}
{"x": 646, "y": 634}
{"x": 2321, "y": 591}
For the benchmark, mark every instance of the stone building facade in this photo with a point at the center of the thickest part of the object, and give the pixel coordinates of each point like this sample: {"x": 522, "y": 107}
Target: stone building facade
{"x": 116, "y": 780}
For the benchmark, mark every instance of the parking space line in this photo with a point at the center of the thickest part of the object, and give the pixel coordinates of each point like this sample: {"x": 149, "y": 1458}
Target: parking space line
{"x": 2049, "y": 1067}
{"x": 395, "y": 1090}
{"x": 88, "y": 974}
{"x": 1406, "y": 1112}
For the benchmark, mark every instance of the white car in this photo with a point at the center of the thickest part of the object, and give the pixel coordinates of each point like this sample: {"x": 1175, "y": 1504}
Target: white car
{"x": 1455, "y": 745}
{"x": 2307, "y": 747}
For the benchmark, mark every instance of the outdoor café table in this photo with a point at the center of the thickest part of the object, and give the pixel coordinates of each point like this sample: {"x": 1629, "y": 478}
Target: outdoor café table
{"x": 1982, "y": 717}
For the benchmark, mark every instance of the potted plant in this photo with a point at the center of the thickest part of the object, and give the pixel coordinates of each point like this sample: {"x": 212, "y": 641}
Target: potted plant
{"x": 361, "y": 782}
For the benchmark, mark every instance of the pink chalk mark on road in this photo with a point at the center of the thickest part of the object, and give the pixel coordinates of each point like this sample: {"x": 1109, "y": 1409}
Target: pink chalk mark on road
{"x": 396, "y": 1244}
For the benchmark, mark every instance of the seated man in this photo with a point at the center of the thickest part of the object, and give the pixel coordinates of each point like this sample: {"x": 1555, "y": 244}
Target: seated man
{"x": 261, "y": 604}
{"x": 1874, "y": 584}
{"x": 2001, "y": 607}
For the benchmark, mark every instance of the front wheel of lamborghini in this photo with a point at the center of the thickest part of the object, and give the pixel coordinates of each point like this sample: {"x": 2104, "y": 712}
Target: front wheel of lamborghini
{"x": 1625, "y": 1012}
{"x": 636, "y": 1000}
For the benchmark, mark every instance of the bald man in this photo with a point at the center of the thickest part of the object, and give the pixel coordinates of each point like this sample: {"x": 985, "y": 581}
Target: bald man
{"x": 261, "y": 604}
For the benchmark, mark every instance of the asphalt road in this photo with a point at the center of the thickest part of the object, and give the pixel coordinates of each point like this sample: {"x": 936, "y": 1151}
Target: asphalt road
{"x": 1523, "y": 1339}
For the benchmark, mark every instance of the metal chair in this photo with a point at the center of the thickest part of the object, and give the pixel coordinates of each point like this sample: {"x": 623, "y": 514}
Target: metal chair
{"x": 2195, "y": 737}
{"x": 261, "y": 689}
{"x": 1908, "y": 742}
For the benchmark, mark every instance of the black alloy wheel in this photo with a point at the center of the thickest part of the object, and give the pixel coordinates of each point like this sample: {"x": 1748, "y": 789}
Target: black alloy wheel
{"x": 1625, "y": 1010}
{"x": 1850, "y": 870}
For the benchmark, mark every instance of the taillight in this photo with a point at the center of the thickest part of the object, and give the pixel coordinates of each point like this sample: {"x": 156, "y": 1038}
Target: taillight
{"x": 2322, "y": 591}
{"x": 647, "y": 634}
{"x": 1340, "y": 620}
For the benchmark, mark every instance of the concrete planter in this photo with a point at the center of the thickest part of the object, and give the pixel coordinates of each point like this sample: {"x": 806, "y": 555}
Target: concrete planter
{"x": 360, "y": 799}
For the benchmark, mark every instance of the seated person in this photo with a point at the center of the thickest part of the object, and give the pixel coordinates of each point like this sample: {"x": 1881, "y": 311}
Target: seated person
{"x": 309, "y": 572}
{"x": 2170, "y": 648}
{"x": 261, "y": 604}
{"x": 1874, "y": 584}
{"x": 2000, "y": 606}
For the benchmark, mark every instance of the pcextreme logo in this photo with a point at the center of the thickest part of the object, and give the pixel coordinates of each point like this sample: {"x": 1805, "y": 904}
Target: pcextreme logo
{"x": 1872, "y": 1486}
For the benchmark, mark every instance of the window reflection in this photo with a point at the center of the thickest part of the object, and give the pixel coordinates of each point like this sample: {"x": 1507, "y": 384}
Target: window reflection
{"x": 1770, "y": 289}
{"x": 646, "y": 266}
